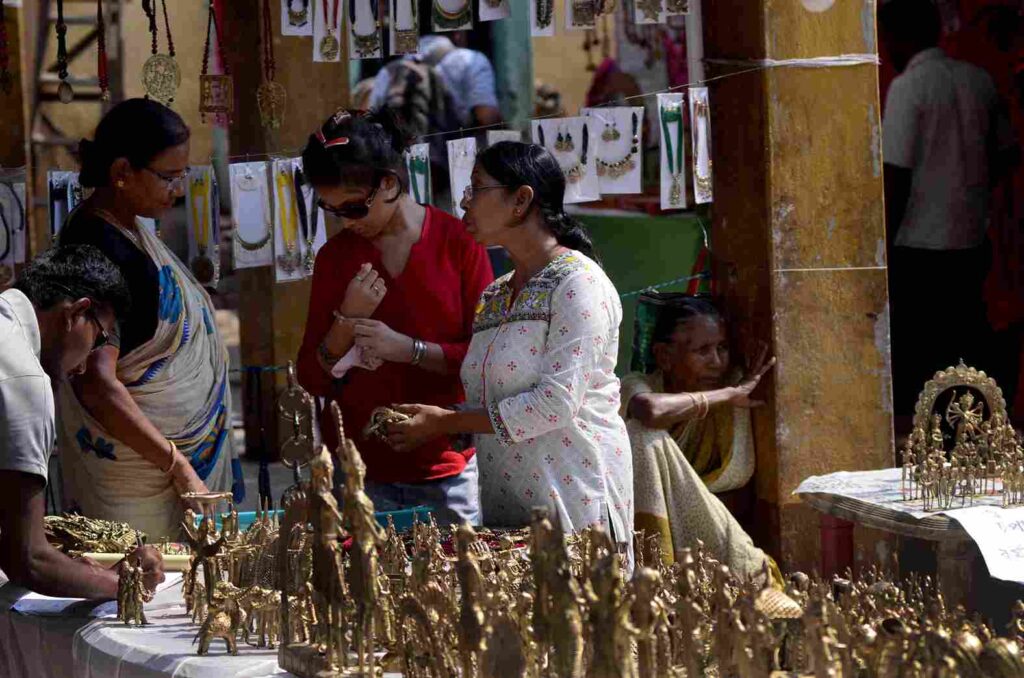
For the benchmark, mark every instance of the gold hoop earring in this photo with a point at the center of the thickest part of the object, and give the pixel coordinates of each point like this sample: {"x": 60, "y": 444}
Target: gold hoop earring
{"x": 120, "y": 183}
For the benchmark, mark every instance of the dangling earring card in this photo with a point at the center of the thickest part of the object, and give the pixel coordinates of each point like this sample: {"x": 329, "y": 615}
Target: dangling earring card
{"x": 677, "y": 7}
{"x": 461, "y": 158}
{"x": 287, "y": 247}
{"x": 296, "y": 17}
{"x": 451, "y": 15}
{"x": 493, "y": 10}
{"x": 496, "y": 135}
{"x": 404, "y": 27}
{"x": 649, "y": 11}
{"x": 619, "y": 158}
{"x": 700, "y": 128}
{"x": 673, "y": 176}
{"x": 364, "y": 30}
{"x": 417, "y": 163}
{"x": 251, "y": 210}
{"x": 542, "y": 18}
{"x": 580, "y": 15}
{"x": 312, "y": 220}
{"x": 326, "y": 21}
{"x": 571, "y": 142}
{"x": 61, "y": 193}
{"x": 12, "y": 203}
{"x": 200, "y": 221}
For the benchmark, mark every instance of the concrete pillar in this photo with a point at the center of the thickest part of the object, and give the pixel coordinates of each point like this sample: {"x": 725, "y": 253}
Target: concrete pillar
{"x": 798, "y": 231}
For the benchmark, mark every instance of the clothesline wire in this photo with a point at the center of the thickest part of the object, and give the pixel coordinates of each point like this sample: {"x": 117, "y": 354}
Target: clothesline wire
{"x": 480, "y": 128}
{"x": 259, "y": 369}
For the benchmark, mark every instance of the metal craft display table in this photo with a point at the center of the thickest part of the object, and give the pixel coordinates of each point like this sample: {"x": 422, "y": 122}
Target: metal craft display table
{"x": 873, "y": 499}
{"x": 74, "y": 645}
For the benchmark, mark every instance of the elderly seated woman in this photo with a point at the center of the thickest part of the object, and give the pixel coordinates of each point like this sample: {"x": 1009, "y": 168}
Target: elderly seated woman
{"x": 689, "y": 427}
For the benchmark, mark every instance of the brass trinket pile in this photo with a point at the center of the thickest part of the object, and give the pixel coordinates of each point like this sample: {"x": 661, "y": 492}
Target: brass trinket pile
{"x": 340, "y": 596}
{"x": 75, "y": 534}
{"x": 986, "y": 456}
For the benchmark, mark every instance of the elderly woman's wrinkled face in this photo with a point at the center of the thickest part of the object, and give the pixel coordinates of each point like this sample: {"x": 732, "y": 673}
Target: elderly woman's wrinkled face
{"x": 697, "y": 357}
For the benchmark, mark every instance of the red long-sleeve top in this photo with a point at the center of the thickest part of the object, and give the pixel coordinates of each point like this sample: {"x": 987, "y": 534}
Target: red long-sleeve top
{"x": 433, "y": 299}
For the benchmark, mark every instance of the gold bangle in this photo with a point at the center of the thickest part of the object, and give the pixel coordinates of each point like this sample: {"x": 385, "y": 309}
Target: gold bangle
{"x": 174, "y": 458}
{"x": 705, "y": 406}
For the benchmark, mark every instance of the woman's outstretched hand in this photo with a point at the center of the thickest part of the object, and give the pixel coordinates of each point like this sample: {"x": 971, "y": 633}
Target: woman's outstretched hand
{"x": 757, "y": 368}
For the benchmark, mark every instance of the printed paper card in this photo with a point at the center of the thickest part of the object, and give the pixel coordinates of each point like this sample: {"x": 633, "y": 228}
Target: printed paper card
{"x": 673, "y": 174}
{"x": 700, "y": 128}
{"x": 494, "y": 10}
{"x": 417, "y": 164}
{"x": 297, "y": 17}
{"x": 461, "y": 158}
{"x": 619, "y": 148}
{"x": 572, "y": 144}
{"x": 252, "y": 210}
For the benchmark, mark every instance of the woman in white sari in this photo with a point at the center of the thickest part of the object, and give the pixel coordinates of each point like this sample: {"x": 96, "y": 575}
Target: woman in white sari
{"x": 150, "y": 418}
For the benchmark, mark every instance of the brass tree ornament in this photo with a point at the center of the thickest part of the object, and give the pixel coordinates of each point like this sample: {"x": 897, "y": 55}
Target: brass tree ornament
{"x": 959, "y": 377}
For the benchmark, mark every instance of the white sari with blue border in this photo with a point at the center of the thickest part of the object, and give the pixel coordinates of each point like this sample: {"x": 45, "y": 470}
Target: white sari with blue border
{"x": 179, "y": 379}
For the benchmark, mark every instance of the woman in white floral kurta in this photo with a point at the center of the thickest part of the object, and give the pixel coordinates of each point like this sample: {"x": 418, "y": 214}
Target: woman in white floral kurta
{"x": 542, "y": 397}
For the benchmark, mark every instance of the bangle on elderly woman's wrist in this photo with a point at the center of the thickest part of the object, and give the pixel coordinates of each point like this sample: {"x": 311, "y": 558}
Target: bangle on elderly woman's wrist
{"x": 419, "y": 351}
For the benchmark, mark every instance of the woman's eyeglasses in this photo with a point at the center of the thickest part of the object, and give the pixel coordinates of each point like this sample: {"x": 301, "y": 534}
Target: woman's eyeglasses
{"x": 470, "y": 189}
{"x": 174, "y": 182}
{"x": 355, "y": 209}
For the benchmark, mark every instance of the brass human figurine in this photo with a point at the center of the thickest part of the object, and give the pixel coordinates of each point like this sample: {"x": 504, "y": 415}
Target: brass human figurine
{"x": 206, "y": 546}
{"x": 131, "y": 594}
{"x": 650, "y": 618}
{"x": 563, "y": 611}
{"x": 472, "y": 628}
{"x": 367, "y": 536}
{"x": 611, "y": 629}
{"x": 327, "y": 572}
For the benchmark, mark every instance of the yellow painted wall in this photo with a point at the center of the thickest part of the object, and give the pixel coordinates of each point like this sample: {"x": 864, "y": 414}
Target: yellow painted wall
{"x": 561, "y": 62}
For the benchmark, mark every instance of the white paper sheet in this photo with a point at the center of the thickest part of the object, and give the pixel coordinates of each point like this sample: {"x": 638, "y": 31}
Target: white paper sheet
{"x": 285, "y": 207}
{"x": 38, "y": 604}
{"x": 367, "y": 24}
{"x": 496, "y": 135}
{"x": 61, "y": 193}
{"x": 417, "y": 163}
{"x": 700, "y": 128}
{"x": 606, "y": 123}
{"x": 12, "y": 202}
{"x": 461, "y": 158}
{"x": 252, "y": 212}
{"x": 547, "y": 30}
{"x": 303, "y": 28}
{"x": 999, "y": 534}
{"x": 489, "y": 13}
{"x": 587, "y": 188}
{"x": 672, "y": 175}
{"x": 677, "y": 7}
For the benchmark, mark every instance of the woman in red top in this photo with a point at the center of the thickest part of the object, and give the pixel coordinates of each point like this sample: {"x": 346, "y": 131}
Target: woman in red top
{"x": 391, "y": 311}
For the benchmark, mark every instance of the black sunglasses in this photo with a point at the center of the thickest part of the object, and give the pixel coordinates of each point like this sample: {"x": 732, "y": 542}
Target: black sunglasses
{"x": 355, "y": 209}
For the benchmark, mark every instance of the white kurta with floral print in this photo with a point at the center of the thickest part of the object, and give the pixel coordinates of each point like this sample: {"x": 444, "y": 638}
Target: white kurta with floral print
{"x": 543, "y": 366}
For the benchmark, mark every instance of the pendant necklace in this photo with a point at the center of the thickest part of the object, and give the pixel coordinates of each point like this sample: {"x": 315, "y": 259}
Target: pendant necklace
{"x": 447, "y": 20}
{"x": 544, "y": 11}
{"x": 101, "y": 53}
{"x": 700, "y": 114}
{"x": 329, "y": 45}
{"x": 160, "y": 74}
{"x": 202, "y": 264}
{"x": 419, "y": 166}
{"x": 407, "y": 40}
{"x": 64, "y": 91}
{"x": 308, "y": 230}
{"x": 366, "y": 44}
{"x": 290, "y": 261}
{"x": 216, "y": 92}
{"x": 651, "y": 8}
{"x": 6, "y": 271}
{"x": 673, "y": 113}
{"x": 270, "y": 95}
{"x": 6, "y": 80}
{"x": 298, "y": 17}
{"x": 623, "y": 166}
{"x": 247, "y": 183}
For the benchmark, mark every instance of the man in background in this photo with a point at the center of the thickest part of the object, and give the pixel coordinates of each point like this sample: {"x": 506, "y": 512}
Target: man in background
{"x": 942, "y": 139}
{"x": 64, "y": 306}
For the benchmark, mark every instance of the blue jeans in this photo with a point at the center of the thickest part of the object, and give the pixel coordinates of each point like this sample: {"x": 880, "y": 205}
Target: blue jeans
{"x": 453, "y": 500}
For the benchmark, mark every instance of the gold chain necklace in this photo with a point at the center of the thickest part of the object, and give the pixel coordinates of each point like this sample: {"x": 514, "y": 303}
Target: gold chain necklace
{"x": 700, "y": 114}
{"x": 290, "y": 261}
{"x": 202, "y": 265}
